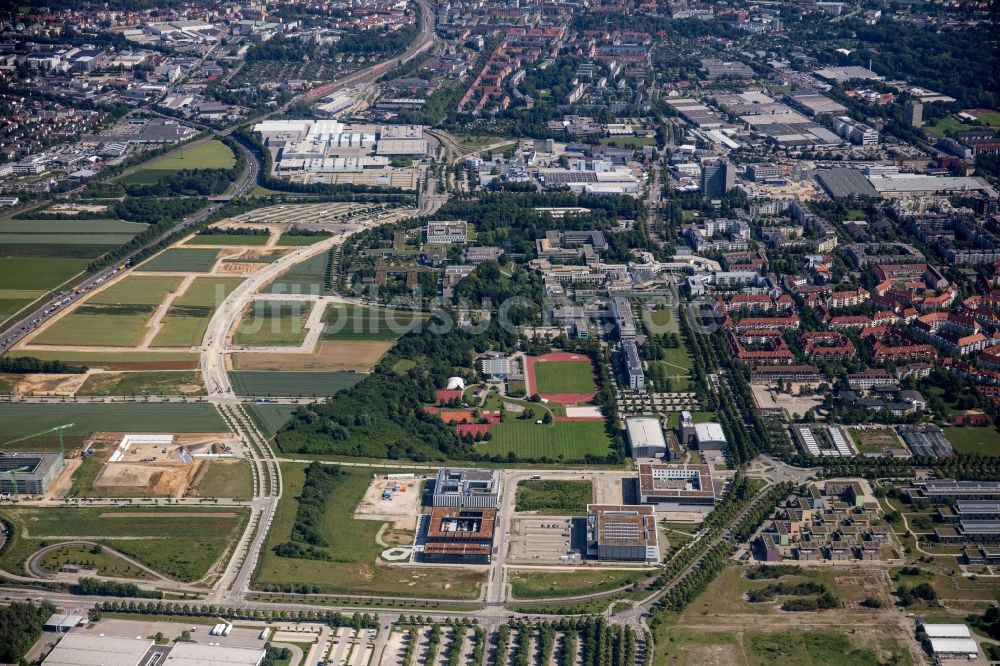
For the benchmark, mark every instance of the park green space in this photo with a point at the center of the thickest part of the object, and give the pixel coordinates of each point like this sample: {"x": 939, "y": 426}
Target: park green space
{"x": 264, "y": 383}
{"x": 564, "y": 377}
{"x": 269, "y": 416}
{"x": 874, "y": 440}
{"x": 181, "y": 542}
{"x": 165, "y": 382}
{"x": 274, "y": 323}
{"x": 94, "y": 330}
{"x": 983, "y": 441}
{"x": 227, "y": 239}
{"x": 355, "y": 568}
{"x": 552, "y": 585}
{"x": 209, "y": 155}
{"x": 136, "y": 290}
{"x": 104, "y": 563}
{"x": 946, "y": 125}
{"x": 361, "y": 322}
{"x": 661, "y": 321}
{"x": 137, "y": 360}
{"x": 562, "y": 440}
{"x": 554, "y": 498}
{"x": 183, "y": 260}
{"x": 23, "y": 418}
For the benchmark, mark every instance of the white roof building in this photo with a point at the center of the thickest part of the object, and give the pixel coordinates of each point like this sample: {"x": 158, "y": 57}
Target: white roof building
{"x": 709, "y": 436}
{"x": 94, "y": 650}
{"x": 947, "y": 631}
{"x": 645, "y": 437}
{"x": 954, "y": 647}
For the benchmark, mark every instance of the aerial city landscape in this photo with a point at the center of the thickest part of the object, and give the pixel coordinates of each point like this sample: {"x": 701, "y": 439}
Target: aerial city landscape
{"x": 507, "y": 332}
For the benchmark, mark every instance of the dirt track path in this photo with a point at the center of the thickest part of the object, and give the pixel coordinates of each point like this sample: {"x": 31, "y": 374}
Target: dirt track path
{"x": 156, "y": 322}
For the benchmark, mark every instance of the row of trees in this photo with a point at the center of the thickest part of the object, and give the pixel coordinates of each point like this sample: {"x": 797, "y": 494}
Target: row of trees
{"x": 334, "y": 619}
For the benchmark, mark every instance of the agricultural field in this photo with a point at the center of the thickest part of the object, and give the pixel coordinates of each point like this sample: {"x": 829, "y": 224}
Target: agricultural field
{"x": 550, "y": 584}
{"x": 983, "y": 441}
{"x": 362, "y": 323}
{"x": 136, "y": 290}
{"x": 143, "y": 383}
{"x": 181, "y": 542}
{"x": 95, "y": 330}
{"x": 273, "y": 323}
{"x": 187, "y": 318}
{"x": 307, "y": 277}
{"x": 554, "y": 498}
{"x": 295, "y": 240}
{"x": 208, "y": 155}
{"x": 22, "y": 419}
{"x": 562, "y": 440}
{"x": 354, "y": 568}
{"x": 238, "y": 240}
{"x": 138, "y": 360}
{"x": 182, "y": 260}
{"x": 292, "y": 383}
{"x": 269, "y": 417}
{"x": 328, "y": 356}
{"x": 565, "y": 377}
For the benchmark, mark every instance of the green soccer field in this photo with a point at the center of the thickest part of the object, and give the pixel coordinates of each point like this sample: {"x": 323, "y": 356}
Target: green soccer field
{"x": 565, "y": 440}
{"x": 564, "y": 377}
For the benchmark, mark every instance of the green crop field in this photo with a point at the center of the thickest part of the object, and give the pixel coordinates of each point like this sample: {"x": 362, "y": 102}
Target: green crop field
{"x": 208, "y": 155}
{"x": 136, "y": 290}
{"x": 23, "y": 419}
{"x": 246, "y": 382}
{"x": 74, "y": 227}
{"x": 186, "y": 260}
{"x": 288, "y": 240}
{"x": 555, "y": 498}
{"x": 227, "y": 239}
{"x": 208, "y": 291}
{"x": 549, "y": 585}
{"x": 307, "y": 277}
{"x": 564, "y": 377}
{"x": 226, "y": 478}
{"x": 94, "y": 330}
{"x": 180, "y": 382}
{"x": 360, "y": 322}
{"x": 269, "y": 417}
{"x": 274, "y": 323}
{"x": 9, "y": 242}
{"x": 565, "y": 440}
{"x": 181, "y": 331}
{"x": 183, "y": 542}
{"x": 983, "y": 441}
{"x": 36, "y": 275}
{"x": 117, "y": 360}
{"x": 354, "y": 551}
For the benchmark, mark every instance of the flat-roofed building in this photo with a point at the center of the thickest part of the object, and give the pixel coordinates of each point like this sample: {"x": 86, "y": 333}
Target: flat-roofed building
{"x": 94, "y": 650}
{"x": 459, "y": 536}
{"x": 451, "y": 231}
{"x": 645, "y": 437}
{"x": 28, "y": 473}
{"x": 709, "y": 436}
{"x": 467, "y": 488}
{"x": 198, "y": 654}
{"x": 618, "y": 533}
{"x": 679, "y": 487}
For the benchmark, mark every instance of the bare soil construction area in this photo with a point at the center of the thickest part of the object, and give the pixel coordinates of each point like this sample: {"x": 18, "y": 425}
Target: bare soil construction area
{"x": 45, "y": 384}
{"x": 333, "y": 356}
{"x": 403, "y": 507}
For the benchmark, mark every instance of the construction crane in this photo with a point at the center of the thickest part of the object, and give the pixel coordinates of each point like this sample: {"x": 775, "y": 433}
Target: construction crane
{"x": 13, "y": 481}
{"x": 59, "y": 429}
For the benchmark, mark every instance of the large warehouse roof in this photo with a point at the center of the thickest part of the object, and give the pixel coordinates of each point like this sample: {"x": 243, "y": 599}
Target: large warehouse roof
{"x": 645, "y": 433}
{"x": 193, "y": 654}
{"x": 91, "y": 650}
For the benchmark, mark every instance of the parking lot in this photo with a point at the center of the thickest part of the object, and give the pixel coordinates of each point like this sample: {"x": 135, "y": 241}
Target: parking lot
{"x": 540, "y": 540}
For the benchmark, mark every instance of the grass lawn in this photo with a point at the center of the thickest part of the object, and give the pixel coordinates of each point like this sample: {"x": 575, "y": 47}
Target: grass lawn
{"x": 874, "y": 441}
{"x": 661, "y": 321}
{"x": 228, "y": 239}
{"x": 806, "y": 647}
{"x": 355, "y": 568}
{"x": 944, "y": 126}
{"x": 564, "y": 377}
{"x": 628, "y": 141}
{"x": 182, "y": 259}
{"x": 94, "y": 330}
{"x": 226, "y": 478}
{"x": 547, "y": 584}
{"x": 677, "y": 359}
{"x": 182, "y": 382}
{"x": 360, "y": 322}
{"x": 556, "y": 498}
{"x": 991, "y": 118}
{"x": 208, "y": 155}
{"x": 269, "y": 417}
{"x": 23, "y": 418}
{"x": 984, "y": 441}
{"x": 136, "y": 290}
{"x": 182, "y": 542}
{"x": 104, "y": 563}
{"x": 565, "y": 440}
{"x": 274, "y": 323}
{"x": 248, "y": 382}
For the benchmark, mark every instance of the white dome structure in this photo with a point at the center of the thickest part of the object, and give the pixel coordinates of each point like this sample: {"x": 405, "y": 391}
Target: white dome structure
{"x": 456, "y": 383}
